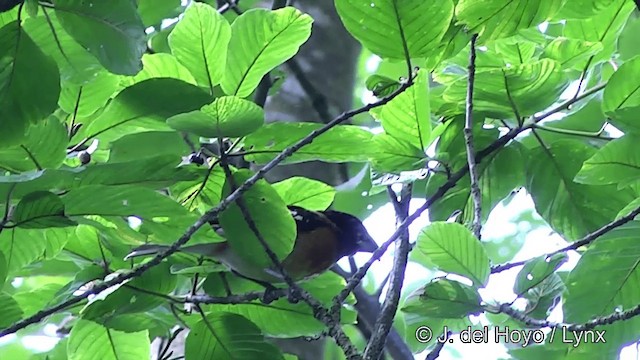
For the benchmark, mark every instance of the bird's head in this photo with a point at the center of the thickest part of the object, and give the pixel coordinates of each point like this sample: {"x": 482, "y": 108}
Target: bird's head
{"x": 353, "y": 237}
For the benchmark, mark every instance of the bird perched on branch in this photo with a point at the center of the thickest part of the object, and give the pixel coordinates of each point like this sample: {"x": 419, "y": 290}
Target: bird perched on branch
{"x": 323, "y": 238}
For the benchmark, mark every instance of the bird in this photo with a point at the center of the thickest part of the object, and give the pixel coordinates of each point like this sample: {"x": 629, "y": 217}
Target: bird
{"x": 323, "y": 238}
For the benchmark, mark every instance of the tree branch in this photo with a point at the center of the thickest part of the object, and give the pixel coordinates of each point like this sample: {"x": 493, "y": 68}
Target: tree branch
{"x": 468, "y": 137}
{"x": 588, "y": 239}
{"x": 376, "y": 343}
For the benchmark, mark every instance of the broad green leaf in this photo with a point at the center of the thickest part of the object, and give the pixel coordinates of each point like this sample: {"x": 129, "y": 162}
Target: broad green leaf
{"x": 89, "y": 340}
{"x": 617, "y": 163}
{"x": 29, "y": 84}
{"x": 581, "y": 9}
{"x": 40, "y": 209}
{"x": 120, "y": 201}
{"x": 621, "y": 90}
{"x": 444, "y": 299}
{"x": 307, "y": 193}
{"x": 145, "y": 105}
{"x": 111, "y": 31}
{"x": 44, "y": 147}
{"x": 24, "y": 246}
{"x": 629, "y": 208}
{"x": 544, "y": 296}
{"x": 199, "y": 41}
{"x": 134, "y": 296}
{"x": 153, "y": 12}
{"x": 226, "y": 336}
{"x": 227, "y": 116}
{"x": 381, "y": 85}
{"x": 453, "y": 248}
{"x": 195, "y": 195}
{"x": 537, "y": 270}
{"x": 342, "y": 143}
{"x": 604, "y": 27}
{"x": 407, "y": 116}
{"x": 260, "y": 41}
{"x": 137, "y": 146}
{"x": 394, "y": 155}
{"x": 533, "y": 87}
{"x": 76, "y": 64}
{"x": 159, "y": 65}
{"x": 498, "y": 19}
{"x": 387, "y": 27}
{"x": 83, "y": 100}
{"x": 571, "y": 53}
{"x": 605, "y": 281}
{"x": 271, "y": 217}
{"x": 11, "y": 311}
{"x": 571, "y": 209}
{"x": 3, "y": 270}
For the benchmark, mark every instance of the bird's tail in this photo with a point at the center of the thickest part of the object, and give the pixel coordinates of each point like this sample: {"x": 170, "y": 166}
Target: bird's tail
{"x": 208, "y": 250}
{"x": 146, "y": 250}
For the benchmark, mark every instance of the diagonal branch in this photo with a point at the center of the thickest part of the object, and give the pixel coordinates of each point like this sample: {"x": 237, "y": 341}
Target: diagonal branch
{"x": 468, "y": 137}
{"x": 582, "y": 242}
{"x": 376, "y": 343}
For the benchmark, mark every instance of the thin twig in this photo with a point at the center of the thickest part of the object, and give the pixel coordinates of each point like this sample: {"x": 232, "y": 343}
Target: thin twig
{"x": 376, "y": 343}
{"x": 468, "y": 137}
{"x": 588, "y": 239}
{"x": 591, "y": 324}
{"x": 440, "y": 343}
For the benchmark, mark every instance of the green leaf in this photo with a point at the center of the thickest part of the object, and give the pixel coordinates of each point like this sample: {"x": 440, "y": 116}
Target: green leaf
{"x": 544, "y": 296}
{"x": 407, "y": 116}
{"x": 537, "y": 270}
{"x": 621, "y": 91}
{"x": 307, "y": 193}
{"x": 581, "y": 9}
{"x": 343, "y": 143}
{"x": 571, "y": 53}
{"x": 120, "y": 201}
{"x": 41, "y": 209}
{"x": 386, "y": 27}
{"x": 76, "y": 64}
{"x": 3, "y": 270}
{"x": 227, "y": 116}
{"x": 533, "y": 87}
{"x": 571, "y": 209}
{"x": 271, "y": 217}
{"x": 29, "y": 84}
{"x": 84, "y": 100}
{"x": 381, "y": 85}
{"x": 604, "y": 27}
{"x": 443, "y": 299}
{"x": 199, "y": 41}
{"x": 138, "y": 146}
{"x": 111, "y": 31}
{"x": 159, "y": 65}
{"x": 153, "y": 12}
{"x": 11, "y": 311}
{"x": 89, "y": 340}
{"x": 44, "y": 147}
{"x": 617, "y": 163}
{"x": 260, "y": 41}
{"x": 227, "y": 336}
{"x": 24, "y": 246}
{"x": 394, "y": 155}
{"x": 453, "y": 248}
{"x": 145, "y": 105}
{"x": 606, "y": 281}
{"x": 132, "y": 297}
{"x": 498, "y": 19}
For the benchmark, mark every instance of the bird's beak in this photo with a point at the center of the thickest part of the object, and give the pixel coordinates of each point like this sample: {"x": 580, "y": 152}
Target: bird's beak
{"x": 367, "y": 244}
